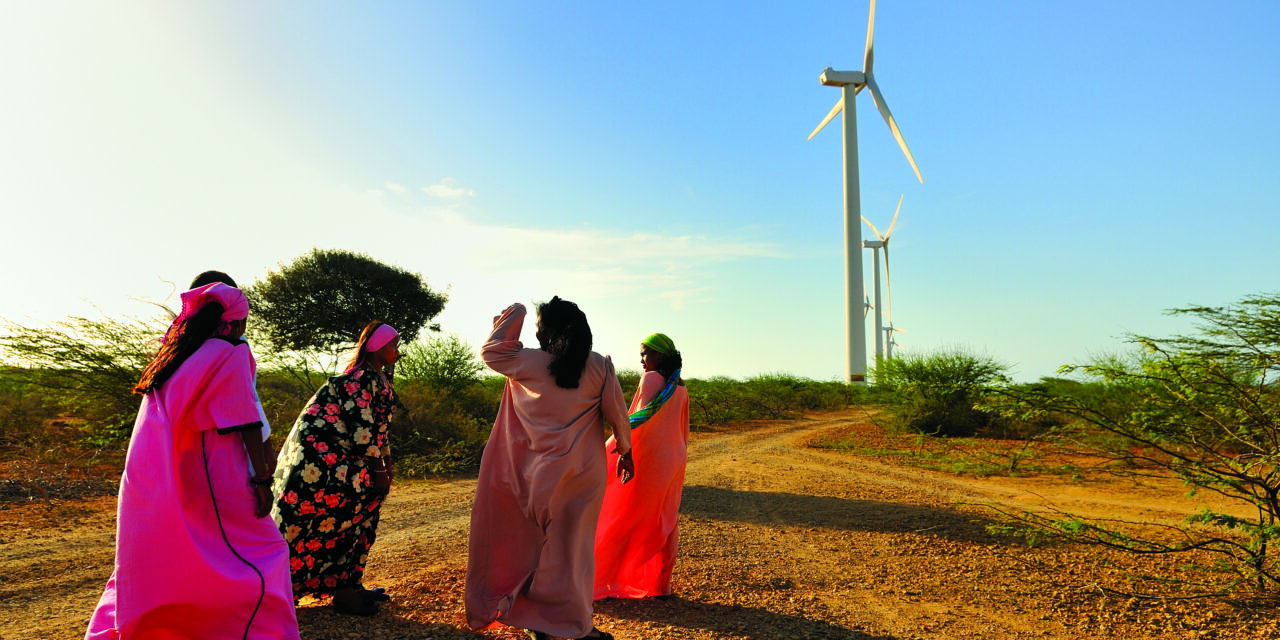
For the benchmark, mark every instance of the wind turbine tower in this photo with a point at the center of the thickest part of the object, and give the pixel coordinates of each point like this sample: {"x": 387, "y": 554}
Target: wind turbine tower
{"x": 850, "y": 83}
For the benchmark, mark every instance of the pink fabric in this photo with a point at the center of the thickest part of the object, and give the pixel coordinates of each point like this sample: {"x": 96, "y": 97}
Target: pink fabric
{"x": 381, "y": 337}
{"x": 235, "y": 306}
{"x": 637, "y": 536}
{"x": 542, "y": 477}
{"x": 175, "y": 576}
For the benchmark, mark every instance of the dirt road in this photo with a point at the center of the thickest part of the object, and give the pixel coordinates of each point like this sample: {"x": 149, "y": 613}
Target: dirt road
{"x": 778, "y": 540}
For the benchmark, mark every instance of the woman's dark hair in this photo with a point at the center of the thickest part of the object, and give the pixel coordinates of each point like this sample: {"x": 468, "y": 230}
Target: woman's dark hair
{"x": 666, "y": 365}
{"x": 568, "y": 342}
{"x": 183, "y": 340}
{"x": 361, "y": 345}
{"x": 210, "y": 277}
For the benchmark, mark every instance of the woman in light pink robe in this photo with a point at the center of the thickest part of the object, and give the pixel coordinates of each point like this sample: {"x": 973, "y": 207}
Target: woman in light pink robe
{"x": 543, "y": 475}
{"x": 637, "y": 537}
{"x": 196, "y": 556}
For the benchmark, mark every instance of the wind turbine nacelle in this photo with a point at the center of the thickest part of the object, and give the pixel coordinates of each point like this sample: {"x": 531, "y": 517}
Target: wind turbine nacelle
{"x": 833, "y": 78}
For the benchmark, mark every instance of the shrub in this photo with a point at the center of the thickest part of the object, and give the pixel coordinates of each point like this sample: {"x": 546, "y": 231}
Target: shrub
{"x": 446, "y": 407}
{"x": 771, "y": 396}
{"x": 86, "y": 368}
{"x": 24, "y": 416}
{"x": 936, "y": 394}
{"x": 442, "y": 362}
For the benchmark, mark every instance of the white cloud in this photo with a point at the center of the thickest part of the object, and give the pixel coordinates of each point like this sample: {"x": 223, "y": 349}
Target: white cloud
{"x": 397, "y": 188}
{"x": 448, "y": 189}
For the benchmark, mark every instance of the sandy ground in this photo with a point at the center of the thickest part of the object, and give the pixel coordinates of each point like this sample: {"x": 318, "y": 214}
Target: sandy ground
{"x": 778, "y": 540}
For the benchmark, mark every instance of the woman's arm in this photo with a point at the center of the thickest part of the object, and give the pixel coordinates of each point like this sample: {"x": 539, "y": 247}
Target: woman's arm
{"x": 261, "y": 479}
{"x": 502, "y": 350}
{"x": 615, "y": 412}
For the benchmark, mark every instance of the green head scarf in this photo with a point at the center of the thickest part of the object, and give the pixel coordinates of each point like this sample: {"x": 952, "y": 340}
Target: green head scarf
{"x": 661, "y": 343}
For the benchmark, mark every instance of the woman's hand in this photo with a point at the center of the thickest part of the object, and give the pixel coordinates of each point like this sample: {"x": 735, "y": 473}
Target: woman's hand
{"x": 379, "y": 478}
{"x": 506, "y": 312}
{"x": 263, "y": 493}
{"x": 380, "y": 482}
{"x": 626, "y": 469}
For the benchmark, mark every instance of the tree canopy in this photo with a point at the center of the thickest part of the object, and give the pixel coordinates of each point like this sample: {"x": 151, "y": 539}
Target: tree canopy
{"x": 322, "y": 300}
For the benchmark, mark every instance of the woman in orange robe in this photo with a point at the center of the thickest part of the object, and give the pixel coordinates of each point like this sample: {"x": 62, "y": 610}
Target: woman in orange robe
{"x": 637, "y": 536}
{"x": 542, "y": 476}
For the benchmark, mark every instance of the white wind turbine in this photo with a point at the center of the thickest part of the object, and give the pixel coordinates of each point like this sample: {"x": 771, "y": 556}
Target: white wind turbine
{"x": 850, "y": 83}
{"x": 881, "y": 242}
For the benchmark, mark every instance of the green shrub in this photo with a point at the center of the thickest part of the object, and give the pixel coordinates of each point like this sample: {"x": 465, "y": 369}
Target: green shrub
{"x": 936, "y": 394}
{"x": 86, "y": 368}
{"x": 24, "y": 416}
{"x": 774, "y": 396}
{"x": 442, "y": 362}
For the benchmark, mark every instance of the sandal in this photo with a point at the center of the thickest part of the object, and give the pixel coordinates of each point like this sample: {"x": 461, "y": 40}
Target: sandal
{"x": 599, "y": 635}
{"x": 376, "y": 594}
{"x": 366, "y": 608}
{"x": 535, "y": 635}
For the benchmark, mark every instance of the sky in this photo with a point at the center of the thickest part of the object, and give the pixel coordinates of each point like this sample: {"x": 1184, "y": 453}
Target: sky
{"x": 1087, "y": 165}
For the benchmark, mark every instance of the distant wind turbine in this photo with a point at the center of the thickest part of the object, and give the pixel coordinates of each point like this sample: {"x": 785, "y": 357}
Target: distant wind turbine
{"x": 881, "y": 242}
{"x": 850, "y": 83}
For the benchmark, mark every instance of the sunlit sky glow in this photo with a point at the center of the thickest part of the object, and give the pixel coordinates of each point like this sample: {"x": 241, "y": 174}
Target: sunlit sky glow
{"x": 1087, "y": 165}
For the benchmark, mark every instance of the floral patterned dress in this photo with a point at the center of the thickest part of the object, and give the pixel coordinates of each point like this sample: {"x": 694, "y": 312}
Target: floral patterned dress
{"x": 326, "y": 506}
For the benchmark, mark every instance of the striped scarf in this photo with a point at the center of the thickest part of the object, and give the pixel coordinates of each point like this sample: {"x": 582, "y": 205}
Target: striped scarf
{"x": 643, "y": 414}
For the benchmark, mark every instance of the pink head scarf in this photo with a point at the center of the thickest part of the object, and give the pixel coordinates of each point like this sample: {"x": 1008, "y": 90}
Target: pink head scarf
{"x": 382, "y": 336}
{"x": 235, "y": 306}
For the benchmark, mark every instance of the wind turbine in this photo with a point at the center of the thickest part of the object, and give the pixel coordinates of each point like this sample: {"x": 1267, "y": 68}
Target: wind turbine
{"x": 881, "y": 242}
{"x": 891, "y": 343}
{"x": 850, "y": 83}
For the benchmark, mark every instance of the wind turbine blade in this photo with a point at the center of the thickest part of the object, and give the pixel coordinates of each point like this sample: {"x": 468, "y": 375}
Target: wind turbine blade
{"x": 893, "y": 222}
{"x": 873, "y": 229}
{"x": 871, "y": 28}
{"x": 834, "y": 110}
{"x": 878, "y": 98}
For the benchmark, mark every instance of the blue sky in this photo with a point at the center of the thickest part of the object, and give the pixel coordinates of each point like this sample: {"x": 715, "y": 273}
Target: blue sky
{"x": 1087, "y": 164}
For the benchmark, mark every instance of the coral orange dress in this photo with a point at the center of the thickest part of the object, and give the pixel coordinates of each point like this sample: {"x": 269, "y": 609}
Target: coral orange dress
{"x": 637, "y": 536}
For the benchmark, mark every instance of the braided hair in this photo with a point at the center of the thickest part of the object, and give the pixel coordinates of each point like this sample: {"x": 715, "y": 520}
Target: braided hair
{"x": 568, "y": 342}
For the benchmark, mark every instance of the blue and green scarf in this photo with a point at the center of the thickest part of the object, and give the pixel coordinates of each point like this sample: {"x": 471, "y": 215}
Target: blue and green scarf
{"x": 643, "y": 414}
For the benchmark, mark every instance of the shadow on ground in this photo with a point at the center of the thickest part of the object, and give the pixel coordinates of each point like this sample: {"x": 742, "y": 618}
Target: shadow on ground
{"x": 726, "y": 620}
{"x": 322, "y": 623}
{"x": 791, "y": 509}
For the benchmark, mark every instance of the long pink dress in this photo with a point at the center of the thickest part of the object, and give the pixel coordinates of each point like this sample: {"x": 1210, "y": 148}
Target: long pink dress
{"x": 192, "y": 561}
{"x": 637, "y": 537}
{"x": 531, "y": 557}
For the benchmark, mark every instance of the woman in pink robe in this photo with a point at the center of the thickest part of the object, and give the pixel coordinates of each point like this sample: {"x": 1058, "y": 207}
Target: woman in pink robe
{"x": 196, "y": 556}
{"x": 531, "y": 555}
{"x": 637, "y": 536}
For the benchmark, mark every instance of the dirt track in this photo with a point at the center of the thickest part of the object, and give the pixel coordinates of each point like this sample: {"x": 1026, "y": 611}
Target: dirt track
{"x": 779, "y": 540}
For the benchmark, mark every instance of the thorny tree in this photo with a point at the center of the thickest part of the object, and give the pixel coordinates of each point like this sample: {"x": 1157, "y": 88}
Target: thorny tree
{"x": 1203, "y": 406}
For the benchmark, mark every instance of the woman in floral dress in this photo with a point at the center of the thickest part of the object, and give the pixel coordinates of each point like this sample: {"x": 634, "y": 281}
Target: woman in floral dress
{"x": 334, "y": 472}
